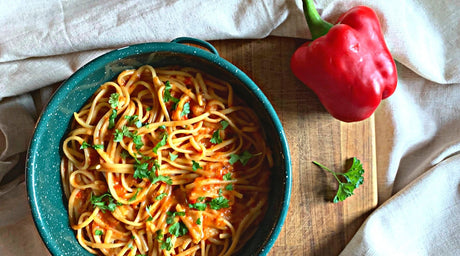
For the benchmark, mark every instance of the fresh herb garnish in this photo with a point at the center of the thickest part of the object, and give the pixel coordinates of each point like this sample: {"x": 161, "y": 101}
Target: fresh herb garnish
{"x": 104, "y": 202}
{"x": 219, "y": 203}
{"x": 354, "y": 178}
{"x": 166, "y": 244}
{"x": 134, "y": 119}
{"x": 199, "y": 206}
{"x": 178, "y": 229}
{"x": 113, "y": 100}
{"x": 172, "y": 156}
{"x": 196, "y": 165}
{"x": 227, "y": 176}
{"x": 112, "y": 118}
{"x": 198, "y": 221}
{"x": 243, "y": 158}
{"x": 87, "y": 145}
{"x": 229, "y": 187}
{"x": 216, "y": 139}
{"x": 141, "y": 170}
{"x": 98, "y": 146}
{"x": 171, "y": 215}
{"x": 167, "y": 95}
{"x": 98, "y": 232}
{"x": 160, "y": 196}
{"x": 185, "y": 110}
{"x": 135, "y": 195}
{"x": 161, "y": 143}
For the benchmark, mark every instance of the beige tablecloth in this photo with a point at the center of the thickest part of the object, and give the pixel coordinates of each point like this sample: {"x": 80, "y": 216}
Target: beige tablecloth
{"x": 43, "y": 42}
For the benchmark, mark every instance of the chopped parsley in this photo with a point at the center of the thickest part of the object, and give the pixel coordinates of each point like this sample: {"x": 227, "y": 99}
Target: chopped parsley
{"x": 219, "y": 202}
{"x": 98, "y": 146}
{"x": 113, "y": 100}
{"x": 243, "y": 158}
{"x": 229, "y": 187}
{"x": 196, "y": 165}
{"x": 161, "y": 143}
{"x": 198, "y": 221}
{"x": 141, "y": 170}
{"x": 178, "y": 229}
{"x": 171, "y": 215}
{"x": 216, "y": 139}
{"x": 185, "y": 110}
{"x": 134, "y": 119}
{"x": 135, "y": 195}
{"x": 87, "y": 145}
{"x": 227, "y": 176}
{"x": 112, "y": 118}
{"x": 160, "y": 196}
{"x": 172, "y": 156}
{"x": 159, "y": 235}
{"x": 98, "y": 232}
{"x": 167, "y": 244}
{"x": 199, "y": 206}
{"x": 167, "y": 95}
{"x": 104, "y": 202}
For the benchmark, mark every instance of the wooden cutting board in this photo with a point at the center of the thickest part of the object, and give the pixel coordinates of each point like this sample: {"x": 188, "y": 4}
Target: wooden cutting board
{"x": 314, "y": 225}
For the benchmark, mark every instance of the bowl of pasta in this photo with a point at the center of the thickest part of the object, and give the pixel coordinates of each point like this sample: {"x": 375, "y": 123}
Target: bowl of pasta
{"x": 159, "y": 149}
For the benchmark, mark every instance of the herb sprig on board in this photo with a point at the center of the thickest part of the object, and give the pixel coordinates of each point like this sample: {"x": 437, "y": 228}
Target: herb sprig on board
{"x": 353, "y": 178}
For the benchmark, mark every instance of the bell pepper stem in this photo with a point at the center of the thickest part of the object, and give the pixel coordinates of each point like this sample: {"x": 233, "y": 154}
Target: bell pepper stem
{"x": 318, "y": 27}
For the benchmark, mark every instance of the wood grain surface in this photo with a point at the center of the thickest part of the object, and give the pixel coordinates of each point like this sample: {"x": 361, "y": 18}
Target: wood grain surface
{"x": 314, "y": 225}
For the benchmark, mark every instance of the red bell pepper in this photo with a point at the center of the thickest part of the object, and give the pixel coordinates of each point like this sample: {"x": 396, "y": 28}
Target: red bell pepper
{"x": 347, "y": 65}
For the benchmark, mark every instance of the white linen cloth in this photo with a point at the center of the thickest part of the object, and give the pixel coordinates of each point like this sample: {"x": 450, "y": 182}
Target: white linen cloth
{"x": 44, "y": 42}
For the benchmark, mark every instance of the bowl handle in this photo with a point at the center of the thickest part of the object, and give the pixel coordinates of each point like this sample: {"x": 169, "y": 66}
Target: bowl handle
{"x": 194, "y": 41}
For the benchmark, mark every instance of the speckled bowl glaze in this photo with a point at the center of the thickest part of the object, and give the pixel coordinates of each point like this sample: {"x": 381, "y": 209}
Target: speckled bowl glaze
{"x": 46, "y": 198}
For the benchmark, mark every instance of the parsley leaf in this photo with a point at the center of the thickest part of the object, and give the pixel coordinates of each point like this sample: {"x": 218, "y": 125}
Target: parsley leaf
{"x": 159, "y": 235}
{"x": 227, "y": 176}
{"x": 135, "y": 195}
{"x": 113, "y": 100}
{"x": 185, "y": 110}
{"x": 198, "y": 221}
{"x": 134, "y": 119}
{"x": 229, "y": 187}
{"x": 98, "y": 146}
{"x": 196, "y": 165}
{"x": 167, "y": 244}
{"x": 172, "y": 156}
{"x": 224, "y": 124}
{"x": 354, "y": 178}
{"x": 171, "y": 215}
{"x": 85, "y": 145}
{"x": 160, "y": 196}
{"x": 243, "y": 158}
{"x": 178, "y": 229}
{"x": 137, "y": 140}
{"x": 112, "y": 118}
{"x": 199, "y": 206}
{"x": 98, "y": 232}
{"x": 216, "y": 139}
{"x": 141, "y": 170}
{"x": 154, "y": 179}
{"x": 161, "y": 143}
{"x": 104, "y": 202}
{"x": 167, "y": 95}
{"x": 218, "y": 203}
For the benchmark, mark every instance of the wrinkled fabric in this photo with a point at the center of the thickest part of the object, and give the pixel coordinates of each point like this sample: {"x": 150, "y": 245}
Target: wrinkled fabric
{"x": 44, "y": 42}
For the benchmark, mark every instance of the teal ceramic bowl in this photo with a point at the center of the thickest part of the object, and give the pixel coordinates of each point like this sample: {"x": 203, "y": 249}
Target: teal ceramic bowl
{"x": 46, "y": 197}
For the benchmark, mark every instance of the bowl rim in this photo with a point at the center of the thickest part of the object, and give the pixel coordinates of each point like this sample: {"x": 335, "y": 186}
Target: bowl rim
{"x": 177, "y": 47}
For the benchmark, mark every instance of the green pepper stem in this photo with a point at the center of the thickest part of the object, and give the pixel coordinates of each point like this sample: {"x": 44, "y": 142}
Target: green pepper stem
{"x": 318, "y": 27}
